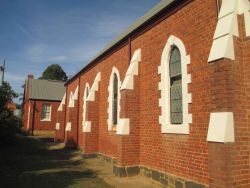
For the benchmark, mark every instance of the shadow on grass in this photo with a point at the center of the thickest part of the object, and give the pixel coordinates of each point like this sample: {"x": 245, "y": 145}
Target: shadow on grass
{"x": 47, "y": 139}
{"x": 29, "y": 163}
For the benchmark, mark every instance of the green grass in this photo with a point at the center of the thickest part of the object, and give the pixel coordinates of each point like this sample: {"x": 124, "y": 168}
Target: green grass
{"x": 30, "y": 163}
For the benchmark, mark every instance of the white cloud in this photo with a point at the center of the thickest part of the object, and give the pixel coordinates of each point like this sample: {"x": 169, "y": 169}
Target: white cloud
{"x": 12, "y": 77}
{"x": 57, "y": 58}
{"x": 110, "y": 25}
{"x": 85, "y": 51}
{"x": 25, "y": 31}
{"x": 36, "y": 52}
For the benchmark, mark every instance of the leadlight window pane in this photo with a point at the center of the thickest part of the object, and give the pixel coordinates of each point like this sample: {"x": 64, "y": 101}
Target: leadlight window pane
{"x": 87, "y": 92}
{"x": 46, "y": 111}
{"x": 175, "y": 62}
{"x": 115, "y": 99}
{"x": 176, "y": 110}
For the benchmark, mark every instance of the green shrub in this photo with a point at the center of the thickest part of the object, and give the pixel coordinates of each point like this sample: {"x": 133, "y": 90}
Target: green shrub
{"x": 9, "y": 124}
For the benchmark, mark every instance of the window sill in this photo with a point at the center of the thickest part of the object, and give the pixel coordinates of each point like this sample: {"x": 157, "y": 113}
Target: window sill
{"x": 175, "y": 129}
{"x": 113, "y": 128}
{"x": 45, "y": 120}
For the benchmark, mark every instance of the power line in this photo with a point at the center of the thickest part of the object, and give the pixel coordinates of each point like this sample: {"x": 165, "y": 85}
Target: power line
{"x": 2, "y": 69}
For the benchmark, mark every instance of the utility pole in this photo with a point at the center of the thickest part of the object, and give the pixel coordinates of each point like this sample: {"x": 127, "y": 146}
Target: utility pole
{"x": 2, "y": 69}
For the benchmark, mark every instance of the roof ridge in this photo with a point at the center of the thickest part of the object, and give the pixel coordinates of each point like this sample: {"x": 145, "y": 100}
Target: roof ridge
{"x": 50, "y": 80}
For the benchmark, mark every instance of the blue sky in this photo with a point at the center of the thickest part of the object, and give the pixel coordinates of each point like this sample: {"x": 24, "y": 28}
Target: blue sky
{"x": 37, "y": 33}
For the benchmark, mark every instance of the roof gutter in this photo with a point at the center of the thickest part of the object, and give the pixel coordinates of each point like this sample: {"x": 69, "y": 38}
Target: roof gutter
{"x": 48, "y": 100}
{"x": 159, "y": 16}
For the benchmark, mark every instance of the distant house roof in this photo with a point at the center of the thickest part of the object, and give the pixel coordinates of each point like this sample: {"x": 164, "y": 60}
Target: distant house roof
{"x": 164, "y": 4}
{"x": 46, "y": 90}
{"x": 11, "y": 106}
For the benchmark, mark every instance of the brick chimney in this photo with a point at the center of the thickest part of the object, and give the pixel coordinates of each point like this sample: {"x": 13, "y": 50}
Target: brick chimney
{"x": 30, "y": 76}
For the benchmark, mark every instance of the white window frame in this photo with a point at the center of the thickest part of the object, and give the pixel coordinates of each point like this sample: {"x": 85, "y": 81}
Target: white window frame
{"x": 110, "y": 98}
{"x": 60, "y": 108}
{"x": 71, "y": 100}
{"x": 164, "y": 87}
{"x": 46, "y": 119}
{"x": 87, "y": 88}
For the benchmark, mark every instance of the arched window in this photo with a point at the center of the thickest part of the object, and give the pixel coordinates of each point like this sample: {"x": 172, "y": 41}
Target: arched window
{"x": 115, "y": 99}
{"x": 87, "y": 92}
{"x": 174, "y": 80}
{"x": 176, "y": 116}
{"x": 71, "y": 100}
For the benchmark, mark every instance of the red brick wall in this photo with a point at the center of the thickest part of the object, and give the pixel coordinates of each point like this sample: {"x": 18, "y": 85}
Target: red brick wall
{"x": 81, "y": 137}
{"x": 229, "y": 163}
{"x": 107, "y": 143}
{"x": 25, "y": 115}
{"x": 241, "y": 90}
{"x": 59, "y": 134}
{"x": 26, "y": 104}
{"x": 45, "y": 125}
{"x": 27, "y": 124}
{"x": 71, "y": 116}
{"x": 91, "y": 139}
{"x": 219, "y": 86}
{"x": 183, "y": 155}
{"x": 128, "y": 153}
{"x": 38, "y": 124}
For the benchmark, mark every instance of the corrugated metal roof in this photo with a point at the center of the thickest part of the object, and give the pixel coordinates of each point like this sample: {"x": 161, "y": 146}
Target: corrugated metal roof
{"x": 149, "y": 15}
{"x": 46, "y": 90}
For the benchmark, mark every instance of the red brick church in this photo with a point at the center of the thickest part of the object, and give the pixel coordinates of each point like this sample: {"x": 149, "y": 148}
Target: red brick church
{"x": 169, "y": 98}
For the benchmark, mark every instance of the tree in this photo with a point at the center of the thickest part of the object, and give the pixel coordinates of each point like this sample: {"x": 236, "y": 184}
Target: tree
{"x": 6, "y": 95}
{"x": 54, "y": 72}
{"x": 9, "y": 124}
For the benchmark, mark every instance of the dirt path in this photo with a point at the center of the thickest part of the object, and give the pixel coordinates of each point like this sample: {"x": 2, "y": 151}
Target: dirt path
{"x": 105, "y": 171}
{"x": 39, "y": 162}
